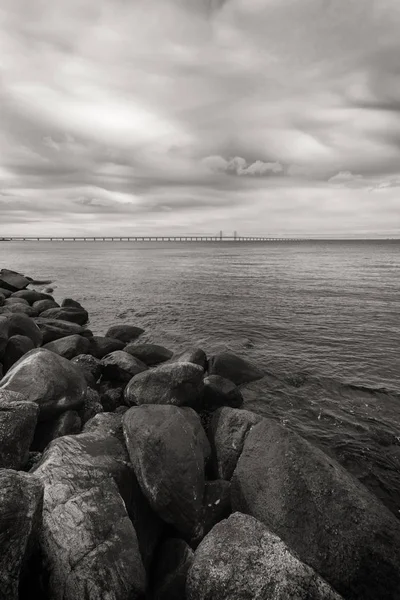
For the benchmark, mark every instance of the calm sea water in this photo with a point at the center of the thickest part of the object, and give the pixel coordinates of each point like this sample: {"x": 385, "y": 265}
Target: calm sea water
{"x": 322, "y": 319}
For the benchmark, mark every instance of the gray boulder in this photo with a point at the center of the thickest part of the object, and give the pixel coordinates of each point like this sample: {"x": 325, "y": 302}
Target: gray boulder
{"x": 169, "y": 464}
{"x": 227, "y": 433}
{"x": 72, "y": 314}
{"x": 69, "y": 423}
{"x": 194, "y": 419}
{"x": 18, "y": 308}
{"x": 13, "y": 281}
{"x": 69, "y": 346}
{"x": 176, "y": 383}
{"x": 21, "y": 499}
{"x": 233, "y": 367}
{"x": 241, "y": 559}
{"x": 5, "y": 293}
{"x": 20, "y": 325}
{"x": 196, "y": 356}
{"x": 324, "y": 514}
{"x": 173, "y": 561}
{"x": 17, "y": 426}
{"x": 41, "y": 305}
{"x": 124, "y": 333}
{"x": 91, "y": 406}
{"x": 100, "y": 346}
{"x": 47, "y": 379}
{"x": 149, "y": 354}
{"x": 13, "y": 300}
{"x": 219, "y": 391}
{"x": 90, "y": 366}
{"x": 111, "y": 395}
{"x": 121, "y": 366}
{"x": 32, "y": 296}
{"x": 53, "y": 329}
{"x": 17, "y": 346}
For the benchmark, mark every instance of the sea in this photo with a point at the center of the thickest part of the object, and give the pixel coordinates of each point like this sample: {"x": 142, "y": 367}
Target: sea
{"x": 321, "y": 318}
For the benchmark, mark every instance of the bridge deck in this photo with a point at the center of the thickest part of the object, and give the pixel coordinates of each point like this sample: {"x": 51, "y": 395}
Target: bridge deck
{"x": 148, "y": 239}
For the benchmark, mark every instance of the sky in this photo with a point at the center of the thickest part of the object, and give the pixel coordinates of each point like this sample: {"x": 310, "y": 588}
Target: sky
{"x": 268, "y": 117}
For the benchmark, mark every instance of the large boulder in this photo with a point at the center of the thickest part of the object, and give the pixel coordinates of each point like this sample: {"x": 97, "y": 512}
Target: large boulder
{"x": 196, "y": 356}
{"x": 5, "y": 293}
{"x": 88, "y": 543}
{"x": 17, "y": 346}
{"x": 227, "y": 433}
{"x": 320, "y": 511}
{"x": 13, "y": 300}
{"x": 169, "y": 464}
{"x": 72, "y": 314}
{"x": 111, "y": 395}
{"x": 100, "y": 346}
{"x": 149, "y": 354}
{"x": 195, "y": 421}
{"x": 219, "y": 391}
{"x": 41, "y": 305}
{"x": 121, "y": 366}
{"x": 176, "y": 383}
{"x": 21, "y": 325}
{"x": 70, "y": 303}
{"x": 69, "y": 346}
{"x": 18, "y": 308}
{"x": 47, "y": 379}
{"x": 13, "y": 281}
{"x": 91, "y": 407}
{"x": 32, "y": 296}
{"x": 17, "y": 426}
{"x": 53, "y": 329}
{"x": 233, "y": 367}
{"x": 241, "y": 559}
{"x": 124, "y": 333}
{"x": 69, "y": 423}
{"x": 2, "y": 299}
{"x": 90, "y": 366}
{"x": 172, "y": 563}
{"x": 21, "y": 499}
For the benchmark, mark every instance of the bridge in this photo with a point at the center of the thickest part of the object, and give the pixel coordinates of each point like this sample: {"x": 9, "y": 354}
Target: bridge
{"x": 141, "y": 238}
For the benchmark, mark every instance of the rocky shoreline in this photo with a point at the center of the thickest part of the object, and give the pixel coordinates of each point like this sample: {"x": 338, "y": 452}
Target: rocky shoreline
{"x": 129, "y": 473}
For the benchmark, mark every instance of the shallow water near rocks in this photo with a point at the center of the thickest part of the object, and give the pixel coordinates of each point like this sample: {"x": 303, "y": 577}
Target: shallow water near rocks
{"x": 322, "y": 318}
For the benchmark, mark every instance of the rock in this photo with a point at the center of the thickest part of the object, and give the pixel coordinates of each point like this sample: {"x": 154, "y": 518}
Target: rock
{"x": 18, "y": 325}
{"x": 121, "y": 366}
{"x": 173, "y": 561}
{"x": 227, "y": 433}
{"x": 111, "y": 395}
{"x": 17, "y": 346}
{"x": 106, "y": 424}
{"x": 69, "y": 303}
{"x": 2, "y": 299}
{"x": 69, "y": 423}
{"x": 91, "y": 407}
{"x": 149, "y": 354}
{"x": 219, "y": 391}
{"x": 18, "y": 308}
{"x": 89, "y": 545}
{"x": 33, "y": 459}
{"x": 124, "y": 333}
{"x": 168, "y": 462}
{"x": 51, "y": 381}
{"x": 5, "y": 293}
{"x": 176, "y": 383}
{"x": 197, "y": 356}
{"x": 41, "y": 305}
{"x": 17, "y": 426}
{"x": 195, "y": 421}
{"x": 241, "y": 559}
{"x": 90, "y": 366}
{"x": 53, "y": 329}
{"x": 234, "y": 368}
{"x": 21, "y": 499}
{"x": 13, "y": 300}
{"x": 32, "y": 296}
{"x": 69, "y": 346}
{"x": 217, "y": 503}
{"x": 12, "y": 281}
{"x": 322, "y": 512}
{"x": 100, "y": 346}
{"x": 74, "y": 315}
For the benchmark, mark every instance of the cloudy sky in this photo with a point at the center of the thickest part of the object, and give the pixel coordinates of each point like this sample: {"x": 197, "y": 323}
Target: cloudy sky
{"x": 275, "y": 117}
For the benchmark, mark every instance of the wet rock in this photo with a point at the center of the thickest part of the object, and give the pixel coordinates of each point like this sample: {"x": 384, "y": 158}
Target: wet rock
{"x": 100, "y": 346}
{"x": 13, "y": 281}
{"x": 219, "y": 391}
{"x": 326, "y": 516}
{"x": 227, "y": 433}
{"x": 17, "y": 426}
{"x": 197, "y": 356}
{"x": 20, "y": 325}
{"x": 32, "y": 296}
{"x": 111, "y": 395}
{"x": 241, "y": 559}
{"x": 33, "y": 459}
{"x": 195, "y": 421}
{"x": 53, "y": 329}
{"x": 88, "y": 542}
{"x": 90, "y": 366}
{"x": 70, "y": 303}
{"x": 69, "y": 346}
{"x": 217, "y": 503}
{"x": 124, "y": 333}
{"x": 173, "y": 561}
{"x": 21, "y": 498}
{"x": 72, "y": 314}
{"x": 13, "y": 300}
{"x": 91, "y": 407}
{"x": 233, "y": 367}
{"x": 47, "y": 379}
{"x": 105, "y": 424}
{"x": 18, "y": 308}
{"x": 149, "y": 354}
{"x": 17, "y": 346}
{"x": 121, "y": 366}
{"x": 69, "y": 423}
{"x": 176, "y": 383}
{"x": 5, "y": 293}
{"x": 168, "y": 462}
{"x": 2, "y": 299}
{"x": 41, "y": 305}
